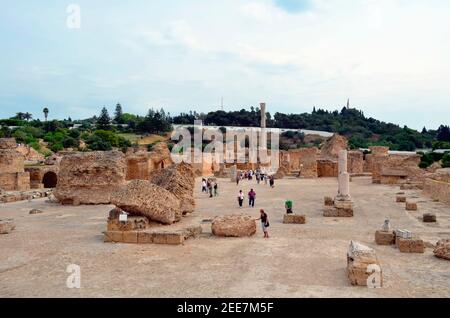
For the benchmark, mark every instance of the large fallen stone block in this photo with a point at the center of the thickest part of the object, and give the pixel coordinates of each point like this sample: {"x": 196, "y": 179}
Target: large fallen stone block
{"x": 384, "y": 238}
{"x": 401, "y": 198}
{"x": 411, "y": 245}
{"x": 294, "y": 219}
{"x": 179, "y": 180}
{"x": 6, "y": 226}
{"x": 90, "y": 178}
{"x": 234, "y": 226}
{"x": 442, "y": 249}
{"x": 143, "y": 198}
{"x": 363, "y": 268}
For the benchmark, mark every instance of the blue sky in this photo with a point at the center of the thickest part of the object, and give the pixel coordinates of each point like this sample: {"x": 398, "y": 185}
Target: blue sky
{"x": 390, "y": 57}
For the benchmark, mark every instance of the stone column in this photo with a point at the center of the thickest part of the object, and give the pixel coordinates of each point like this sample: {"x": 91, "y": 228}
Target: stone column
{"x": 263, "y": 134}
{"x": 344, "y": 178}
{"x": 233, "y": 173}
{"x": 263, "y": 115}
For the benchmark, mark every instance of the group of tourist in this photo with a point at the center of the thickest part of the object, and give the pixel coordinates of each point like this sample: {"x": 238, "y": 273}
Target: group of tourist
{"x": 210, "y": 187}
{"x": 259, "y": 176}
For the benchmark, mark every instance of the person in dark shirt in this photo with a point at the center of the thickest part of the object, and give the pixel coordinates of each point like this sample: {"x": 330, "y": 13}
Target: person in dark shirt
{"x": 264, "y": 223}
{"x": 251, "y": 198}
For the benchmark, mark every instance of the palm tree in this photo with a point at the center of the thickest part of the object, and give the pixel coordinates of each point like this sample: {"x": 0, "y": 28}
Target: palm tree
{"x": 45, "y": 110}
{"x": 27, "y": 116}
{"x": 20, "y": 115}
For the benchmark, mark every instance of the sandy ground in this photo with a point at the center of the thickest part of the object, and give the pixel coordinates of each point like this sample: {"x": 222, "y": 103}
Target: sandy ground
{"x": 297, "y": 261}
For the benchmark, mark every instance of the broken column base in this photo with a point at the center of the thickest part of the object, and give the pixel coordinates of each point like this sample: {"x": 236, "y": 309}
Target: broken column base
{"x": 401, "y": 198}
{"x": 384, "y": 238}
{"x": 294, "y": 219}
{"x": 340, "y": 208}
{"x": 362, "y": 262}
{"x": 410, "y": 245}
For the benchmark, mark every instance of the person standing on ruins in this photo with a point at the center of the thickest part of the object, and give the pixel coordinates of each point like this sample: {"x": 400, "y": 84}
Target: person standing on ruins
{"x": 264, "y": 223}
{"x": 251, "y": 198}
{"x": 240, "y": 198}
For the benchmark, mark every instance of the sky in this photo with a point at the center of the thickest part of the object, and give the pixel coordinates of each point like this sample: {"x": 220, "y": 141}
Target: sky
{"x": 390, "y": 57}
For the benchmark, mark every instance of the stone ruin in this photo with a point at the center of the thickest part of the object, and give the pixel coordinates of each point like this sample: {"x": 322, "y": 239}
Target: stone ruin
{"x": 90, "y": 177}
{"x": 12, "y": 173}
{"x": 437, "y": 185}
{"x": 234, "y": 226}
{"x": 362, "y": 262}
{"x": 442, "y": 249}
{"x": 179, "y": 180}
{"x": 342, "y": 205}
{"x": 141, "y": 164}
{"x": 149, "y": 204}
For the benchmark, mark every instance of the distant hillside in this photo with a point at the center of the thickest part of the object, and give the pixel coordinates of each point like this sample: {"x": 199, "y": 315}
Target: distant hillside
{"x": 360, "y": 130}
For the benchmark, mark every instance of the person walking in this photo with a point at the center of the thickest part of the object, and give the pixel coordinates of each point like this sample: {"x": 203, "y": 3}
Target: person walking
{"x": 216, "y": 192}
{"x": 204, "y": 189}
{"x": 251, "y": 198}
{"x": 210, "y": 189}
{"x": 238, "y": 178}
{"x": 240, "y": 198}
{"x": 264, "y": 223}
{"x": 272, "y": 182}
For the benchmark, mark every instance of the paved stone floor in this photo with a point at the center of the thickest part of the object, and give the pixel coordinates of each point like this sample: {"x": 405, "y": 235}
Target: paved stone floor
{"x": 297, "y": 261}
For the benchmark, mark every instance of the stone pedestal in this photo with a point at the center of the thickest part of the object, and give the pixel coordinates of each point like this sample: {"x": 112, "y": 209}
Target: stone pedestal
{"x": 384, "y": 238}
{"x": 411, "y": 206}
{"x": 294, "y": 219}
{"x": 233, "y": 173}
{"x": 401, "y": 198}
{"x": 429, "y": 218}
{"x": 412, "y": 245}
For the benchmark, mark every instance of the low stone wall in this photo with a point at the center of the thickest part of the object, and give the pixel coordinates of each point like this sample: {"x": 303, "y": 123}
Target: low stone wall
{"x": 437, "y": 190}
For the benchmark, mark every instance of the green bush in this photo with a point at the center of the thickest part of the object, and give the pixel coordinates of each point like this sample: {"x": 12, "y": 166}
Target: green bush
{"x": 446, "y": 161}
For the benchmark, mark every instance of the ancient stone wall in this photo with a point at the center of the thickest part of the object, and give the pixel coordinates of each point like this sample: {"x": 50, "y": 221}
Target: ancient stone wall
{"x": 12, "y": 174}
{"x": 137, "y": 166}
{"x": 331, "y": 148}
{"x": 327, "y": 168}
{"x": 42, "y": 174}
{"x": 437, "y": 185}
{"x": 355, "y": 162}
{"x": 90, "y": 177}
{"x": 304, "y": 159}
{"x": 400, "y": 167}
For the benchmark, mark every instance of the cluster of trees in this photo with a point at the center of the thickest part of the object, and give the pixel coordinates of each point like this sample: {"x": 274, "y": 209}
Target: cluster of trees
{"x": 103, "y": 131}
